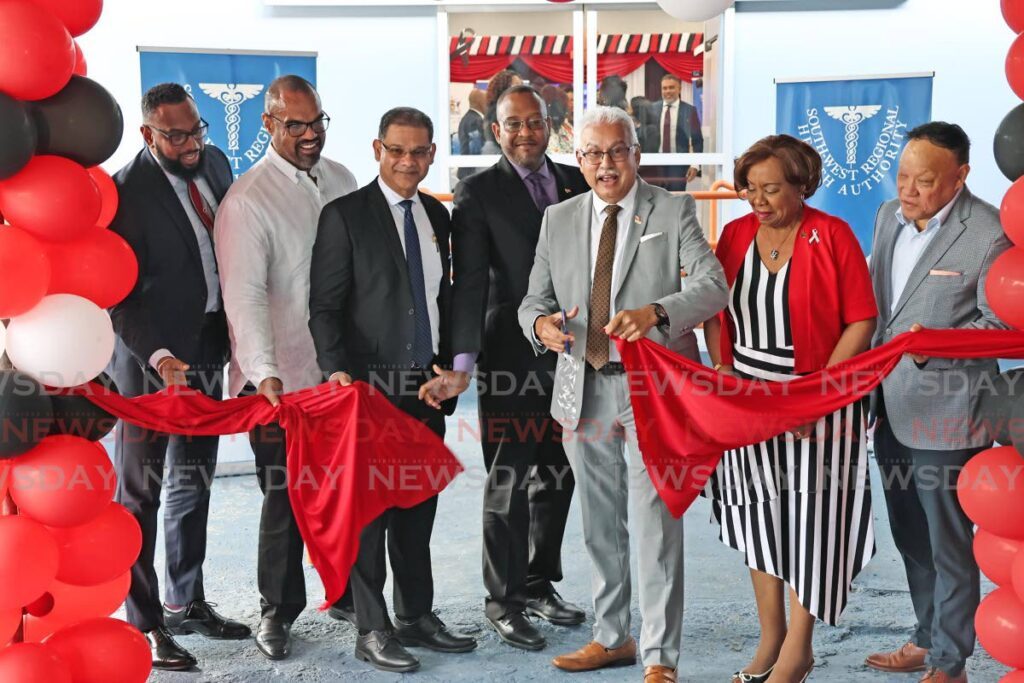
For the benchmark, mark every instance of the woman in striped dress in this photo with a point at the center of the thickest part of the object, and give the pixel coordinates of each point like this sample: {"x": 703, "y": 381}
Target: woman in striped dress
{"x": 796, "y": 505}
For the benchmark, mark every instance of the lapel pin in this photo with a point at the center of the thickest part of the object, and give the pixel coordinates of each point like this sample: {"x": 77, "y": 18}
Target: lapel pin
{"x": 814, "y": 236}
{"x": 636, "y": 219}
{"x": 567, "y": 190}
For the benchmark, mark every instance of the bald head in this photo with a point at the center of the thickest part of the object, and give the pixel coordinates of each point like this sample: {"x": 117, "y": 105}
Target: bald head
{"x": 273, "y": 100}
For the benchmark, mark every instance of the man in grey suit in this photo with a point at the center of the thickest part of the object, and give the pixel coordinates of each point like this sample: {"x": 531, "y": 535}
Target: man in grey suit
{"x": 933, "y": 247}
{"x": 611, "y": 259}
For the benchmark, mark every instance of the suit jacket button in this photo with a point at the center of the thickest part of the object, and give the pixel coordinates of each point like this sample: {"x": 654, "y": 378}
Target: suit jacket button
{"x": 412, "y": 311}
{"x": 888, "y": 331}
{"x": 408, "y": 347}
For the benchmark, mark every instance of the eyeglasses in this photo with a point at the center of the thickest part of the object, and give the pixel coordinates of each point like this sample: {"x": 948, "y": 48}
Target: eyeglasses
{"x": 298, "y": 128}
{"x": 618, "y": 153}
{"x": 417, "y": 154}
{"x": 515, "y": 125}
{"x": 177, "y": 138}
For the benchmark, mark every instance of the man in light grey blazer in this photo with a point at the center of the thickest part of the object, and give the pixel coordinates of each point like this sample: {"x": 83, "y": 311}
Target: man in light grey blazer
{"x": 611, "y": 259}
{"x": 933, "y": 247}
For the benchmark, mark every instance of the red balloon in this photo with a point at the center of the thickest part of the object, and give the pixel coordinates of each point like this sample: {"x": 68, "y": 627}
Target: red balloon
{"x": 24, "y": 272}
{"x": 1000, "y": 624}
{"x": 28, "y": 561}
{"x": 9, "y": 620}
{"x": 103, "y": 650}
{"x": 81, "y": 67}
{"x": 99, "y": 550}
{"x": 995, "y": 556}
{"x": 78, "y": 16}
{"x": 64, "y": 481}
{"x": 72, "y": 604}
{"x": 1013, "y": 13}
{"x": 51, "y": 197}
{"x": 1011, "y": 212}
{"x": 108, "y": 195}
{"x": 32, "y": 663}
{"x": 1013, "y": 677}
{"x": 99, "y": 266}
{"x": 1015, "y": 67}
{"x": 37, "y": 54}
{"x": 1004, "y": 287}
{"x": 1017, "y": 576}
{"x": 991, "y": 491}
{"x": 41, "y": 606}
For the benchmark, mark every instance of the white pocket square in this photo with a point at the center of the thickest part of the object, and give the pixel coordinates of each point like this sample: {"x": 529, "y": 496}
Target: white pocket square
{"x": 650, "y": 237}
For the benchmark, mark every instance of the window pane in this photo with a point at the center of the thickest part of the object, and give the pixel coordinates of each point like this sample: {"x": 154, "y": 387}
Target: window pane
{"x": 709, "y": 211}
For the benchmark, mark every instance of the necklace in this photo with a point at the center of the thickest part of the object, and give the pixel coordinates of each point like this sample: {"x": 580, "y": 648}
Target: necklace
{"x": 774, "y": 253}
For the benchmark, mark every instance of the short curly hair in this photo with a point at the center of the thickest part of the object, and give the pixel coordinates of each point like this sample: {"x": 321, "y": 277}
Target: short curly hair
{"x": 499, "y": 83}
{"x": 800, "y": 162}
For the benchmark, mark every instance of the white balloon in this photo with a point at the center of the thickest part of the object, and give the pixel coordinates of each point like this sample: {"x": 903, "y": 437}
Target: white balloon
{"x": 694, "y": 10}
{"x": 62, "y": 342}
{"x": 3, "y": 338}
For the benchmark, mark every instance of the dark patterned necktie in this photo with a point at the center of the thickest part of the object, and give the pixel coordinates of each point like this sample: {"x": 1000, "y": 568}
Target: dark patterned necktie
{"x": 201, "y": 207}
{"x": 538, "y": 191}
{"x": 666, "y": 130}
{"x": 422, "y": 345}
{"x": 601, "y": 291}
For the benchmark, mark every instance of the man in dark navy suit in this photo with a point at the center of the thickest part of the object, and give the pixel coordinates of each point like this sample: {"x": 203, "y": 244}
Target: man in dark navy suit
{"x": 171, "y": 331}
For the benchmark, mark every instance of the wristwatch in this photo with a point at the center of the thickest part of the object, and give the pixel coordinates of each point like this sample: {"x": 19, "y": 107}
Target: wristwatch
{"x": 659, "y": 311}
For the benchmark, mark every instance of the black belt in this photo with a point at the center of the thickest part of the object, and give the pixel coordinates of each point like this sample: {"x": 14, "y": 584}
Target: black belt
{"x": 609, "y": 368}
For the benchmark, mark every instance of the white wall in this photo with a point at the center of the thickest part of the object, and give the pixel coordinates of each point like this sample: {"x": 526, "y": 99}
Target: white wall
{"x": 368, "y": 61}
{"x": 964, "y": 43}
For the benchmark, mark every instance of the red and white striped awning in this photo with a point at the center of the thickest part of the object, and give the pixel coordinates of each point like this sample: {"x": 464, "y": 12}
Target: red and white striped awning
{"x": 615, "y": 43}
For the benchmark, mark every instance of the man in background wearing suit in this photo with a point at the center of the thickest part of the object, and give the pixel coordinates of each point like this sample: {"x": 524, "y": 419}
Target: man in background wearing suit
{"x": 670, "y": 114}
{"x": 933, "y": 247}
{"x": 171, "y": 331}
{"x": 611, "y": 259}
{"x": 378, "y": 312}
{"x": 471, "y": 129}
{"x": 495, "y": 225}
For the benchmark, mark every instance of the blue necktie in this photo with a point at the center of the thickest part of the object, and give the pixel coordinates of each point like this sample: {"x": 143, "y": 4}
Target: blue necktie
{"x": 422, "y": 345}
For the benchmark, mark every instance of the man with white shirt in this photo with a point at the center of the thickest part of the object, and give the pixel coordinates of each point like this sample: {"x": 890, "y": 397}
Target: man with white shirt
{"x": 170, "y": 331}
{"x": 264, "y": 236}
{"x": 378, "y": 311}
{"x": 932, "y": 250}
{"x": 610, "y": 259}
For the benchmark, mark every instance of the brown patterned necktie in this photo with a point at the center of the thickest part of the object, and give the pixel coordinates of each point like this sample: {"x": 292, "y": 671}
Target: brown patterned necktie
{"x": 601, "y": 291}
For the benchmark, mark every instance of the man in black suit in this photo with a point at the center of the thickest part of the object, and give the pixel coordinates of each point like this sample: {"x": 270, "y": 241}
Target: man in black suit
{"x": 668, "y": 114}
{"x": 379, "y": 302}
{"x": 471, "y": 129}
{"x": 171, "y": 330}
{"x": 495, "y": 227}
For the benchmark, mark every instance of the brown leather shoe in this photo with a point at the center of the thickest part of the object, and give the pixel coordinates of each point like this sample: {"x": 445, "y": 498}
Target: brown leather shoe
{"x": 594, "y": 655}
{"x": 934, "y": 675}
{"x": 908, "y": 658}
{"x": 659, "y": 674}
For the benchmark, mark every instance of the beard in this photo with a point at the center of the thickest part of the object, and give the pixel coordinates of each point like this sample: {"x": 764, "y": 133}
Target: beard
{"x": 176, "y": 168}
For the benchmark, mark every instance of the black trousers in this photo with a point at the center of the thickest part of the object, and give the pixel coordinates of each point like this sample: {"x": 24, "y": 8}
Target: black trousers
{"x": 140, "y": 456}
{"x": 405, "y": 534}
{"x": 526, "y": 501}
{"x": 279, "y": 572}
{"x": 934, "y": 537}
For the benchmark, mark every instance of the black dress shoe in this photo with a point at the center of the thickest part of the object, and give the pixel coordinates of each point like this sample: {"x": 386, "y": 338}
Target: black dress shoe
{"x": 430, "y": 632}
{"x": 556, "y": 610}
{"x": 516, "y": 630}
{"x": 273, "y": 638}
{"x": 381, "y": 650}
{"x": 343, "y": 613}
{"x": 167, "y": 654}
{"x": 200, "y": 617}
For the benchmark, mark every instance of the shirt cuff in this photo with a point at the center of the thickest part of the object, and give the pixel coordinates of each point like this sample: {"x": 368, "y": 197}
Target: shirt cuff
{"x": 533, "y": 333}
{"x": 263, "y": 372}
{"x": 159, "y": 355}
{"x": 464, "y": 362}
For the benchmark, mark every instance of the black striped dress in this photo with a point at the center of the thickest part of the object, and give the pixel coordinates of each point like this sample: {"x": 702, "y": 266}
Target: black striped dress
{"x": 799, "y": 509}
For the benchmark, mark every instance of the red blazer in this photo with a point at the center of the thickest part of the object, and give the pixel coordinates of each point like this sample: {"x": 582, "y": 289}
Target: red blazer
{"x": 829, "y": 285}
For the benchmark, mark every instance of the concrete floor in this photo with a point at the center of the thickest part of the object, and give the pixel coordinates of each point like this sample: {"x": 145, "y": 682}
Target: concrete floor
{"x": 720, "y": 629}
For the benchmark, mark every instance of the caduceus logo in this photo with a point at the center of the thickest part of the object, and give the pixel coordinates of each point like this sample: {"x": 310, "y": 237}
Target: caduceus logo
{"x": 232, "y": 95}
{"x": 852, "y": 117}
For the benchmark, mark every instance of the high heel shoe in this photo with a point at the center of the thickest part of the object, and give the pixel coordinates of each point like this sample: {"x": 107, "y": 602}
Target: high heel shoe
{"x": 744, "y": 677}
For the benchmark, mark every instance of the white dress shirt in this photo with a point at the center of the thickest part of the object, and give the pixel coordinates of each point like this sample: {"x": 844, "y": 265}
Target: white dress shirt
{"x": 265, "y": 231}
{"x": 910, "y": 244}
{"x": 430, "y": 252}
{"x": 180, "y": 187}
{"x": 670, "y": 109}
{"x": 623, "y": 220}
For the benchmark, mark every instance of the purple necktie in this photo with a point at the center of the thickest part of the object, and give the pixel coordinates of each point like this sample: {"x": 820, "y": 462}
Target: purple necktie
{"x": 537, "y": 190}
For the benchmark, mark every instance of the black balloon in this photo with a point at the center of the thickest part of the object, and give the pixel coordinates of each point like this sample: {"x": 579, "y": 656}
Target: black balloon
{"x": 17, "y": 136}
{"x": 1009, "y": 144}
{"x": 78, "y": 416}
{"x": 82, "y": 122}
{"x": 26, "y": 413}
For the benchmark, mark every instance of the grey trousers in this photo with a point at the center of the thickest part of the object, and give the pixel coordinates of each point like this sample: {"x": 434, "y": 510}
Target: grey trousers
{"x": 613, "y": 483}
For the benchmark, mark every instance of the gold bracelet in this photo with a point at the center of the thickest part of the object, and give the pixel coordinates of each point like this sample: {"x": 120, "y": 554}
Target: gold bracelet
{"x": 717, "y": 366}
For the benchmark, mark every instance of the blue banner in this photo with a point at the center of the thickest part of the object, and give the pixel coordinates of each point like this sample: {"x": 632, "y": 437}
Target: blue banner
{"x": 859, "y": 128}
{"x": 228, "y": 89}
